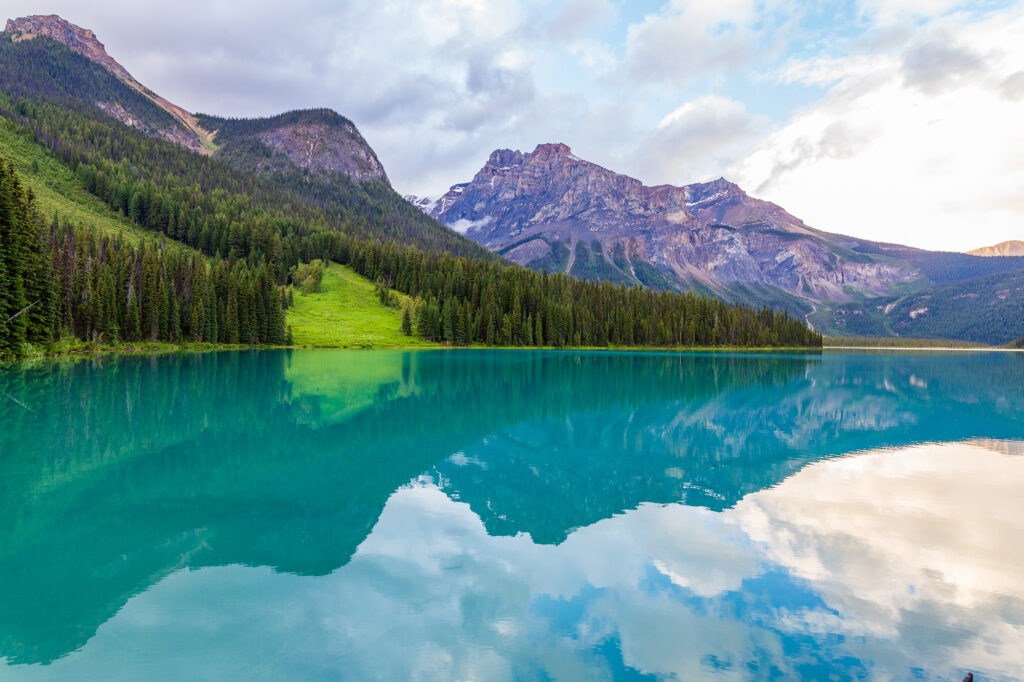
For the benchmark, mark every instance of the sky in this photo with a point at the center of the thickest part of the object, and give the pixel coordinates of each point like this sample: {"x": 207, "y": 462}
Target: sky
{"x": 894, "y": 120}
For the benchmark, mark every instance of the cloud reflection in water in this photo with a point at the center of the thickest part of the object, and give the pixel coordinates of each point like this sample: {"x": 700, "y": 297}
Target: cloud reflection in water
{"x": 874, "y": 565}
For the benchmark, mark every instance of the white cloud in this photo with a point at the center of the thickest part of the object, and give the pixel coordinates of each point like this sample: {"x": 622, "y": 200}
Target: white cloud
{"x": 674, "y": 46}
{"x": 691, "y": 141}
{"x": 828, "y": 70}
{"x": 921, "y": 147}
{"x": 595, "y": 56}
{"x": 575, "y": 18}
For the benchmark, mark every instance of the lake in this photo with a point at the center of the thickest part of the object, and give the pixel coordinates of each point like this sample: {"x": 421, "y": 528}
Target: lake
{"x": 499, "y": 515}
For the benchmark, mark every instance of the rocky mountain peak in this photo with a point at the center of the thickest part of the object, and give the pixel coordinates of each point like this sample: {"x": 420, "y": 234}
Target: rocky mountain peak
{"x": 318, "y": 140}
{"x": 504, "y": 158}
{"x": 703, "y": 191}
{"x": 81, "y": 40}
{"x": 515, "y": 193}
{"x": 551, "y": 209}
{"x": 550, "y": 149}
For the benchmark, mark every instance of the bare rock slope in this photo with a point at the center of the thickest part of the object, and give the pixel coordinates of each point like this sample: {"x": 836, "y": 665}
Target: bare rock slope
{"x": 549, "y": 208}
{"x": 318, "y": 140}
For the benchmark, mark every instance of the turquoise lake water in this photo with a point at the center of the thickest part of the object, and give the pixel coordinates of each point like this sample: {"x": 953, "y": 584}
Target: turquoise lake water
{"x": 493, "y": 515}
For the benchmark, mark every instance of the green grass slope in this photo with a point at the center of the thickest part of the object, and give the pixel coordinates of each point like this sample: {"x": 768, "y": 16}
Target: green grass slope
{"x": 346, "y": 313}
{"x": 56, "y": 187}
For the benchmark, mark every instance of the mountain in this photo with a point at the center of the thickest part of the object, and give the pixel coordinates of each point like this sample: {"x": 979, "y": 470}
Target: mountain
{"x": 313, "y": 163}
{"x": 181, "y": 127}
{"x": 1013, "y": 247}
{"x": 569, "y": 214}
{"x": 984, "y": 309}
{"x": 549, "y": 209}
{"x": 319, "y": 140}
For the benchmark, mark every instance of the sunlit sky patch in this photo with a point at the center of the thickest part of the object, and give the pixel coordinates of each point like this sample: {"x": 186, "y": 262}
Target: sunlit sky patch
{"x": 896, "y": 120}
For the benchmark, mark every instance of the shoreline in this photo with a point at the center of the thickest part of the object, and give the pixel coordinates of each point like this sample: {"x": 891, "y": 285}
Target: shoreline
{"x": 158, "y": 348}
{"x": 945, "y": 349}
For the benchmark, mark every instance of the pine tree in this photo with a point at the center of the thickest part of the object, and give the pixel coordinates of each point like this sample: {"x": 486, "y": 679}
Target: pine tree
{"x": 231, "y": 319}
{"x": 448, "y": 320}
{"x": 516, "y": 332}
{"x": 406, "y": 322}
{"x": 12, "y": 227}
{"x": 275, "y": 319}
{"x": 132, "y": 325}
{"x": 462, "y": 325}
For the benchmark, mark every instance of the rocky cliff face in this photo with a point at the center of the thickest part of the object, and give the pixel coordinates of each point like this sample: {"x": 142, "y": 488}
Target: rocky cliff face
{"x": 321, "y": 147}
{"x": 514, "y": 193}
{"x": 549, "y": 208}
{"x": 317, "y": 140}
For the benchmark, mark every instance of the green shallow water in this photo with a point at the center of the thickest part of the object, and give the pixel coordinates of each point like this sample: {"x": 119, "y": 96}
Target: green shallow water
{"x": 494, "y": 515}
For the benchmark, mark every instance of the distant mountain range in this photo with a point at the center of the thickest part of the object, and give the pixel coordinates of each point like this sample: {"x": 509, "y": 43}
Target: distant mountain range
{"x": 551, "y": 209}
{"x": 1013, "y": 247}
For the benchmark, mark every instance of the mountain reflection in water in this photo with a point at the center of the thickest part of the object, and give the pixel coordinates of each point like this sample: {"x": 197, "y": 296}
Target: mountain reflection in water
{"x": 521, "y": 514}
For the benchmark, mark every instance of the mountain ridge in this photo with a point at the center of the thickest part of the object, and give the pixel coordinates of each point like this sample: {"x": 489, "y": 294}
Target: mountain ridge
{"x": 551, "y": 210}
{"x": 688, "y": 233}
{"x": 320, "y": 140}
{"x": 343, "y": 184}
{"x": 84, "y": 42}
{"x": 330, "y": 144}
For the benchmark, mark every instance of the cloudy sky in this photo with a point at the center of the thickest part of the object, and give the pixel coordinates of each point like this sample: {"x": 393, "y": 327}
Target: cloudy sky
{"x": 898, "y": 120}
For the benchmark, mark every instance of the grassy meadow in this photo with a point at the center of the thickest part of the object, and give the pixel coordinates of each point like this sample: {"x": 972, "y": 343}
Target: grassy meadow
{"x": 346, "y": 313}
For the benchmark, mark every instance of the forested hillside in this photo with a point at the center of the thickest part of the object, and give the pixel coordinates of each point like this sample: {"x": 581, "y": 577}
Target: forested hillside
{"x": 258, "y": 229}
{"x": 998, "y": 310}
{"x": 56, "y": 278}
